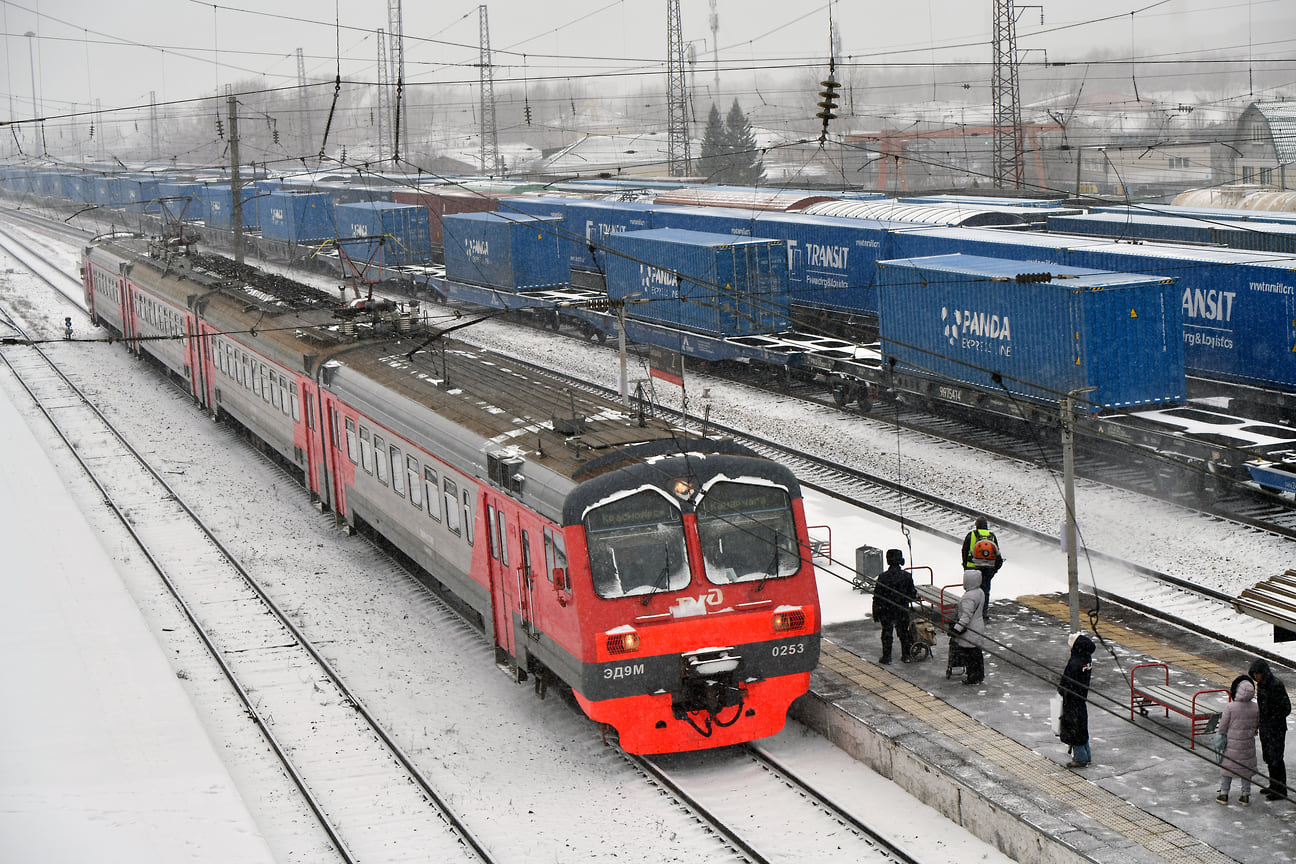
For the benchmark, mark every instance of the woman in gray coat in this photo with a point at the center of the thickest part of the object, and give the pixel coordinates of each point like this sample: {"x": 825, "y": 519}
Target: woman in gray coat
{"x": 969, "y": 631}
{"x": 1239, "y": 723}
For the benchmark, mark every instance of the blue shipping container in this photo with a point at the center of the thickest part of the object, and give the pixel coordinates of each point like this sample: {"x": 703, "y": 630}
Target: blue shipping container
{"x": 218, "y": 206}
{"x": 968, "y": 318}
{"x": 710, "y": 283}
{"x": 591, "y": 221}
{"x": 1259, "y": 236}
{"x": 512, "y": 252}
{"x": 181, "y": 200}
{"x": 402, "y": 230}
{"x": 297, "y": 217}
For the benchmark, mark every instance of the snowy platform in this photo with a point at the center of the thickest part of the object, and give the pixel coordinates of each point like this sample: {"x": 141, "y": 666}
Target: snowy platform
{"x": 985, "y": 755}
{"x": 102, "y": 756}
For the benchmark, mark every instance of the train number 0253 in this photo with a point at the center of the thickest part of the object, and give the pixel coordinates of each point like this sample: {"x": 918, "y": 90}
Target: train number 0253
{"x": 788, "y": 650}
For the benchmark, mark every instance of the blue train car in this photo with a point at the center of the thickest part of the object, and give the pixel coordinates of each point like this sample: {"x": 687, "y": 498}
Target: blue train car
{"x": 972, "y": 319}
{"x": 297, "y": 217}
{"x": 710, "y": 283}
{"x": 508, "y": 251}
{"x": 403, "y": 229}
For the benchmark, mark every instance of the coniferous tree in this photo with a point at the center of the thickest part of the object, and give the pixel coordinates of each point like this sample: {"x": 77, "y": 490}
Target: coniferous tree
{"x": 714, "y": 146}
{"x": 744, "y": 166}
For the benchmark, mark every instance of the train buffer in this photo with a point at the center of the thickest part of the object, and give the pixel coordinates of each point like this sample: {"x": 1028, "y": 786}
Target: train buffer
{"x": 1274, "y": 602}
{"x": 1203, "y": 713}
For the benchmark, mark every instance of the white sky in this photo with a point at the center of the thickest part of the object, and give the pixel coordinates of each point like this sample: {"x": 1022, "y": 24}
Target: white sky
{"x": 119, "y": 52}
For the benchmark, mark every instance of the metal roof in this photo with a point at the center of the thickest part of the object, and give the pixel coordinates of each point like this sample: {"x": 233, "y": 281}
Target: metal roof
{"x": 926, "y": 214}
{"x": 1281, "y": 117}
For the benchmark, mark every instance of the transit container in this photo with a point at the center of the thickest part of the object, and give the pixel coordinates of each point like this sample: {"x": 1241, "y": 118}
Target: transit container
{"x": 1239, "y": 308}
{"x": 589, "y": 222}
{"x": 1258, "y": 236}
{"x": 297, "y": 217}
{"x": 512, "y": 252}
{"x": 140, "y": 193}
{"x": 397, "y": 233}
{"x": 1000, "y": 326}
{"x": 440, "y": 203}
{"x": 710, "y": 283}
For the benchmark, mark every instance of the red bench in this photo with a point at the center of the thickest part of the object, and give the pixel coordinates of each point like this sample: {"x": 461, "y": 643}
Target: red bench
{"x": 1182, "y": 702}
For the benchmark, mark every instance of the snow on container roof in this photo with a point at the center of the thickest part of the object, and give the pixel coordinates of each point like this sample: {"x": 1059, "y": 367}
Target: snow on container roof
{"x": 896, "y": 211}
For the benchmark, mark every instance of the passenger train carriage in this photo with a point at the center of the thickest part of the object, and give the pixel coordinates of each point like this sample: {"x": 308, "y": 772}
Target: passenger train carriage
{"x": 665, "y": 578}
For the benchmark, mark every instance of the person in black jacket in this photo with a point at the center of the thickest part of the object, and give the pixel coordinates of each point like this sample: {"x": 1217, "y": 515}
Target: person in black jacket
{"x": 891, "y": 597}
{"x": 1271, "y": 696}
{"x": 1074, "y": 690}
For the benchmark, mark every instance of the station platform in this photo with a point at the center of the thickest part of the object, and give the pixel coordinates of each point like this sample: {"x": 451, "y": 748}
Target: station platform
{"x": 102, "y": 754}
{"x": 985, "y": 755}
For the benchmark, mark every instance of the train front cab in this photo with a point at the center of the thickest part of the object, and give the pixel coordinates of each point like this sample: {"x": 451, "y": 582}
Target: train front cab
{"x": 700, "y": 614}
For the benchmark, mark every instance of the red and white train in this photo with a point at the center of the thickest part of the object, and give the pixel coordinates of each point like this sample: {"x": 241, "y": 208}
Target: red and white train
{"x": 666, "y": 579}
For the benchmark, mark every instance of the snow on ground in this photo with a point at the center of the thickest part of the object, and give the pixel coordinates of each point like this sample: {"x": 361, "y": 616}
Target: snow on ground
{"x": 521, "y": 767}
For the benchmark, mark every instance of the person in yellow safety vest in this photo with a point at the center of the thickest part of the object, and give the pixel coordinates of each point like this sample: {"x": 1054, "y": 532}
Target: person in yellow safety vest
{"x": 981, "y": 550}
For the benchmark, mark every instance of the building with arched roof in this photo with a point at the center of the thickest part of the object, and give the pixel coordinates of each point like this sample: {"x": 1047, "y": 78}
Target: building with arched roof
{"x": 1266, "y": 144}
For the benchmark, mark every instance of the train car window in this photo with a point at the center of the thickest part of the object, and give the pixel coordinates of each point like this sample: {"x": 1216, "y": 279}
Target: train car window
{"x": 451, "y": 505}
{"x": 468, "y": 517}
{"x": 636, "y": 546}
{"x": 412, "y": 479}
{"x": 265, "y": 384}
{"x": 398, "y": 475}
{"x": 432, "y": 487}
{"x": 353, "y": 450}
{"x": 295, "y": 407}
{"x": 747, "y": 533}
{"x": 380, "y": 459}
{"x": 526, "y": 554}
{"x": 256, "y": 379}
{"x": 274, "y": 389}
{"x": 310, "y": 410}
{"x": 366, "y": 451}
{"x": 492, "y": 532}
{"x": 503, "y": 537}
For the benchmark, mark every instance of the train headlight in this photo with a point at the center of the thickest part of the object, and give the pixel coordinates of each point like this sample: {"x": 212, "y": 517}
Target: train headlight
{"x": 683, "y": 488}
{"x": 622, "y": 642}
{"x": 789, "y": 619}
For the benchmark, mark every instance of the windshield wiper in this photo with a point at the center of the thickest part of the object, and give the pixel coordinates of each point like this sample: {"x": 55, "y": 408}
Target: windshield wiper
{"x": 662, "y": 580}
{"x": 772, "y": 570}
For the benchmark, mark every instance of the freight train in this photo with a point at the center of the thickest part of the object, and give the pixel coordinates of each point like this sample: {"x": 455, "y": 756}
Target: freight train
{"x": 664, "y": 578}
{"x": 1233, "y": 307}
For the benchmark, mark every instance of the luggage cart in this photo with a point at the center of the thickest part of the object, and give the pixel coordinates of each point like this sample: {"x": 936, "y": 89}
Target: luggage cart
{"x": 922, "y": 635}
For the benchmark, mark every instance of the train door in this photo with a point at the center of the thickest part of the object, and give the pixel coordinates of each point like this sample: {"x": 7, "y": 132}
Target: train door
{"x": 503, "y": 548}
{"x": 313, "y": 439}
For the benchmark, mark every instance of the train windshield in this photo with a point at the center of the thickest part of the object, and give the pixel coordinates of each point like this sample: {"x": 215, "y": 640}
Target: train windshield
{"x": 747, "y": 533}
{"x": 636, "y": 546}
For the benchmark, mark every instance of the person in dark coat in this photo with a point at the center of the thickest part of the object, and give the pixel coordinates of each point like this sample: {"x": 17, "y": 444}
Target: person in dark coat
{"x": 1275, "y": 705}
{"x": 988, "y": 561}
{"x": 1074, "y": 690}
{"x": 891, "y": 597}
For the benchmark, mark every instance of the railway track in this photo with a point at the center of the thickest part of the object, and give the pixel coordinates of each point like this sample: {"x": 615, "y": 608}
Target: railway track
{"x": 734, "y": 791}
{"x": 368, "y": 796}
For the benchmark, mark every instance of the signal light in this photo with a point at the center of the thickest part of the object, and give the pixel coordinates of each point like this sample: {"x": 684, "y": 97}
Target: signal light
{"x": 794, "y": 619}
{"x": 624, "y": 642}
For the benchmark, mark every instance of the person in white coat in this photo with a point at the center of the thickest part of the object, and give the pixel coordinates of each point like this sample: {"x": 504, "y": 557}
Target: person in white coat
{"x": 969, "y": 630}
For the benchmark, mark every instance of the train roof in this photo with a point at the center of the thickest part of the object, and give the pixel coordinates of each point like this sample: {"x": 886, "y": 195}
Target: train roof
{"x": 896, "y": 211}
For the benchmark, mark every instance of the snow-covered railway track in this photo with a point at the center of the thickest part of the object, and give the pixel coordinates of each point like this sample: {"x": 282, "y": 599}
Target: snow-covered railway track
{"x": 370, "y": 799}
{"x": 765, "y": 811}
{"x": 42, "y": 268}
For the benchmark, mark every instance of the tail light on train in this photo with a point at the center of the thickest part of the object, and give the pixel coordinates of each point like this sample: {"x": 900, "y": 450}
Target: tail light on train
{"x": 789, "y": 619}
{"x": 622, "y": 642}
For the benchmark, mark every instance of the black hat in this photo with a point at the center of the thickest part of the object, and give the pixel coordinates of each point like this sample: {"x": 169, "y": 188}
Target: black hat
{"x": 895, "y": 556}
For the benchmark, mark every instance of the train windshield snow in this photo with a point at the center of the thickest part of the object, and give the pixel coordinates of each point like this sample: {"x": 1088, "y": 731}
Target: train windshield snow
{"x": 747, "y": 533}
{"x": 636, "y": 546}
